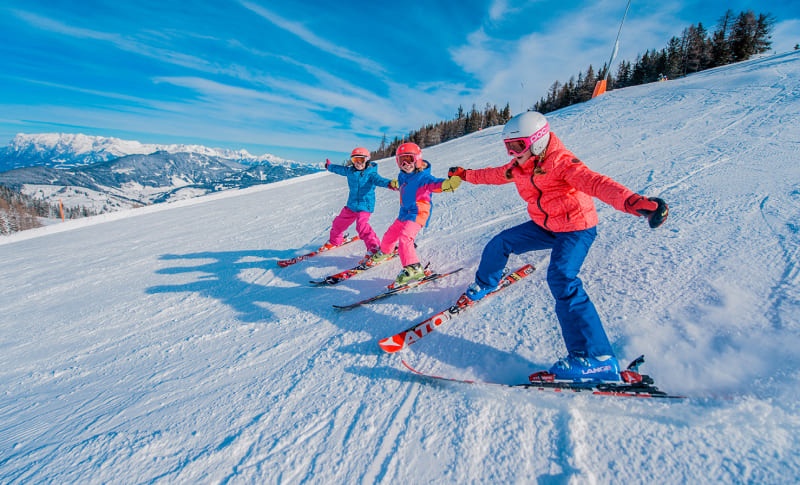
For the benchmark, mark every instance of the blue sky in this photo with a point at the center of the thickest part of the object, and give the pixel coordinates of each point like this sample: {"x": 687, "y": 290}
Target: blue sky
{"x": 310, "y": 80}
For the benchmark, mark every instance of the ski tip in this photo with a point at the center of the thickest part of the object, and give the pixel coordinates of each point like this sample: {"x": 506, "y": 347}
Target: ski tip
{"x": 389, "y": 345}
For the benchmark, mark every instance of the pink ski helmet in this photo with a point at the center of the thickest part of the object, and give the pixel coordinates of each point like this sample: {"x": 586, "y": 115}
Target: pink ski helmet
{"x": 409, "y": 151}
{"x": 359, "y": 152}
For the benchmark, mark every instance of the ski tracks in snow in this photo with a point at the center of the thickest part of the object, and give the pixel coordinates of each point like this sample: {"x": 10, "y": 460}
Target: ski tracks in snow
{"x": 784, "y": 300}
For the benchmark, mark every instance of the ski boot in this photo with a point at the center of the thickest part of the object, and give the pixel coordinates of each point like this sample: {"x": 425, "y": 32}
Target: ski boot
{"x": 476, "y": 292}
{"x": 327, "y": 246}
{"x": 409, "y": 274}
{"x": 367, "y": 257}
{"x": 377, "y": 258}
{"x": 603, "y": 368}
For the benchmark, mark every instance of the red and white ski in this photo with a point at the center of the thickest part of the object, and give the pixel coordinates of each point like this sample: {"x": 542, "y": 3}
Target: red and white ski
{"x": 288, "y": 262}
{"x": 348, "y": 273}
{"x": 411, "y": 335}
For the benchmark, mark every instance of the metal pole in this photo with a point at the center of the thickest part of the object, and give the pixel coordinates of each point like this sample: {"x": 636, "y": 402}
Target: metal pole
{"x": 616, "y": 42}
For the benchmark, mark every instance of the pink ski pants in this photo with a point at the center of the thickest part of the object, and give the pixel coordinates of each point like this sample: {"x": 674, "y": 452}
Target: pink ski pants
{"x": 402, "y": 234}
{"x": 346, "y": 218}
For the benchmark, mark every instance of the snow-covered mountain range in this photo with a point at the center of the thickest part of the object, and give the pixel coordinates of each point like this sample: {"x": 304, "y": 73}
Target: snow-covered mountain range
{"x": 67, "y": 150}
{"x": 106, "y": 174}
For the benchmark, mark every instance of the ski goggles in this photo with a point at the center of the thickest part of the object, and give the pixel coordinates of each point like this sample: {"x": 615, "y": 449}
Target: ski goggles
{"x": 518, "y": 146}
{"x": 358, "y": 159}
{"x": 404, "y": 160}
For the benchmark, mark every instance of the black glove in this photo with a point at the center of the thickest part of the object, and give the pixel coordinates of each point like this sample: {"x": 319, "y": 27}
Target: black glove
{"x": 457, "y": 172}
{"x": 653, "y": 208}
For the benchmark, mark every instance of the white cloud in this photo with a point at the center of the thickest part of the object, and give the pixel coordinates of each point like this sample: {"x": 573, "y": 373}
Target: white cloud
{"x": 785, "y": 35}
{"x": 521, "y": 70}
{"x": 497, "y": 9}
{"x": 54, "y": 26}
{"x": 121, "y": 42}
{"x": 311, "y": 38}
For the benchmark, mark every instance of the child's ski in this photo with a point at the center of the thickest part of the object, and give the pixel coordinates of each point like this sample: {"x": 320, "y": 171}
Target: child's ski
{"x": 397, "y": 289}
{"x": 288, "y": 262}
{"x": 348, "y": 273}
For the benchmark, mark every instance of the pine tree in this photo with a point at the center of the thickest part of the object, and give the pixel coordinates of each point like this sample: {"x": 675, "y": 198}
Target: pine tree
{"x": 762, "y": 40}
{"x": 491, "y": 117}
{"x": 743, "y": 36}
{"x": 505, "y": 115}
{"x": 460, "y": 123}
{"x": 639, "y": 73}
{"x": 720, "y": 45}
{"x": 18, "y": 212}
{"x": 674, "y": 67}
{"x": 382, "y": 147}
{"x": 472, "y": 123}
{"x": 623, "y": 77}
{"x": 586, "y": 88}
{"x": 433, "y": 136}
{"x": 698, "y": 55}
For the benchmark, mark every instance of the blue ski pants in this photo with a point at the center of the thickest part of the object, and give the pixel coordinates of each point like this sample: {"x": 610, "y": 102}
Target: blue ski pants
{"x": 581, "y": 327}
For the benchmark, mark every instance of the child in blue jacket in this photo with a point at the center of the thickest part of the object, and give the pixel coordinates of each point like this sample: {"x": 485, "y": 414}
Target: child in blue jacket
{"x": 416, "y": 185}
{"x": 362, "y": 178}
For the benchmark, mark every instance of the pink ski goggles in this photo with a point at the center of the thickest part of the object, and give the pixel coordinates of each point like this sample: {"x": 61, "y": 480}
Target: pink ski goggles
{"x": 518, "y": 146}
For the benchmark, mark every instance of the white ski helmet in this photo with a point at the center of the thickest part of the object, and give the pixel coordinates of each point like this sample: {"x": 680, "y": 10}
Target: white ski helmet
{"x": 528, "y": 130}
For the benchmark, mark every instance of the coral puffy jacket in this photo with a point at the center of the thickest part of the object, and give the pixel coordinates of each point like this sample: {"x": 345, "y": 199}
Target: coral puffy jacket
{"x": 558, "y": 188}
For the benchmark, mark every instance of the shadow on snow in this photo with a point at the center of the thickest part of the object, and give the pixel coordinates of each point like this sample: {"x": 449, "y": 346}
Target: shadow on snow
{"x": 255, "y": 287}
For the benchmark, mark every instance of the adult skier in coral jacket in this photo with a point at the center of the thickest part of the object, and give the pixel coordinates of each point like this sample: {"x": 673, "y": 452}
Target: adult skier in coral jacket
{"x": 558, "y": 188}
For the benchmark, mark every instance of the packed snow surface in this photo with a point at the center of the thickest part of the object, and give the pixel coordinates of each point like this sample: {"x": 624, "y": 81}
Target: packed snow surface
{"x": 164, "y": 344}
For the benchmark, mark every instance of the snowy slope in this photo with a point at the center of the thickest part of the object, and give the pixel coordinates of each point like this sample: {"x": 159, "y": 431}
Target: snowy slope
{"x": 164, "y": 345}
